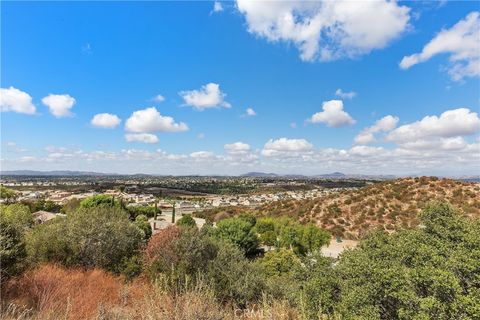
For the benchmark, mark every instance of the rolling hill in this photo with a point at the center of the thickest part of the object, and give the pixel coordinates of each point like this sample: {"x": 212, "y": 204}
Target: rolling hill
{"x": 390, "y": 205}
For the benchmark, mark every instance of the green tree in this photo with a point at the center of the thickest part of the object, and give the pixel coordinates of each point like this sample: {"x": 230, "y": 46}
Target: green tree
{"x": 265, "y": 225}
{"x": 233, "y": 277}
{"x": 100, "y": 200}
{"x": 7, "y": 194}
{"x": 239, "y": 232}
{"x": 313, "y": 238}
{"x": 15, "y": 219}
{"x": 12, "y": 249}
{"x": 141, "y": 221}
{"x": 279, "y": 262}
{"x": 49, "y": 242}
{"x": 186, "y": 221}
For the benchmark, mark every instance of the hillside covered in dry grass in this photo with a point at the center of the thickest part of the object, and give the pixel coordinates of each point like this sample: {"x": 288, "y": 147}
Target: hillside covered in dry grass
{"x": 390, "y": 205}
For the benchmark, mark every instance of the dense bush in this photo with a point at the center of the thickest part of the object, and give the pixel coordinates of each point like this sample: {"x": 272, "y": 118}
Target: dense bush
{"x": 429, "y": 273}
{"x": 14, "y": 220}
{"x": 90, "y": 237}
{"x": 239, "y": 232}
{"x": 147, "y": 211}
{"x": 100, "y": 200}
{"x": 142, "y": 223}
{"x": 186, "y": 221}
{"x": 234, "y": 278}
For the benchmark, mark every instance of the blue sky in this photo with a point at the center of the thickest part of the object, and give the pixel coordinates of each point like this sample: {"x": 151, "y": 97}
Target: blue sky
{"x": 115, "y": 57}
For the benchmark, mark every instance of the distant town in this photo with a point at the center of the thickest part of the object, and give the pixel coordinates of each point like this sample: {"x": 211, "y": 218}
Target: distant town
{"x": 190, "y": 193}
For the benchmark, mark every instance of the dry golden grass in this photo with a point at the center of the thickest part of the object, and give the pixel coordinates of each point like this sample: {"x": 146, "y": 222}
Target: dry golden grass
{"x": 390, "y": 205}
{"x": 52, "y": 292}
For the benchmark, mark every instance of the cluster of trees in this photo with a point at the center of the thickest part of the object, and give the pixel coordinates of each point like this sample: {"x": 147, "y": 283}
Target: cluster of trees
{"x": 98, "y": 232}
{"x": 430, "y": 272}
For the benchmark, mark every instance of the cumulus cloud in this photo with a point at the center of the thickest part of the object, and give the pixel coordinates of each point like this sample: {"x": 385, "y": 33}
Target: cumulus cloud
{"x": 461, "y": 42}
{"x": 327, "y": 30}
{"x": 15, "y": 100}
{"x": 105, "y": 120}
{"x": 237, "y": 148}
{"x": 332, "y": 115}
{"x": 150, "y": 120}
{"x": 345, "y": 95}
{"x": 202, "y": 155}
{"x": 209, "y": 96}
{"x": 141, "y": 137}
{"x": 451, "y": 123}
{"x": 59, "y": 104}
{"x": 446, "y": 144}
{"x": 364, "y": 138}
{"x": 285, "y": 147}
{"x": 386, "y": 124}
{"x": 365, "y": 151}
{"x": 238, "y": 153}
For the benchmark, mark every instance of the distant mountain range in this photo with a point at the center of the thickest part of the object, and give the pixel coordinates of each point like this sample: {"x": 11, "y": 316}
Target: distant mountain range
{"x": 334, "y": 175}
{"x": 259, "y": 175}
{"x": 53, "y": 173}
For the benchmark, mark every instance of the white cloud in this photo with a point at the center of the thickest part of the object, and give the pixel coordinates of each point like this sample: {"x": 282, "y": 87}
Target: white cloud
{"x": 217, "y": 6}
{"x": 365, "y": 151}
{"x": 250, "y": 112}
{"x": 150, "y": 120}
{"x": 332, "y": 115}
{"x": 141, "y": 137}
{"x": 443, "y": 156}
{"x": 386, "y": 124}
{"x": 451, "y": 123}
{"x": 12, "y": 99}
{"x": 209, "y": 96}
{"x": 105, "y": 120}
{"x": 27, "y": 159}
{"x": 327, "y": 30}
{"x": 364, "y": 138}
{"x": 285, "y": 147}
{"x": 447, "y": 144}
{"x": 237, "y": 148}
{"x": 345, "y": 95}
{"x": 12, "y": 146}
{"x": 461, "y": 42}
{"x": 59, "y": 104}
{"x": 158, "y": 98}
{"x": 202, "y": 155}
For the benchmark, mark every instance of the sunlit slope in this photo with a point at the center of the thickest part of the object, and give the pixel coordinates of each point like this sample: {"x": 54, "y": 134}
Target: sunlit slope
{"x": 390, "y": 205}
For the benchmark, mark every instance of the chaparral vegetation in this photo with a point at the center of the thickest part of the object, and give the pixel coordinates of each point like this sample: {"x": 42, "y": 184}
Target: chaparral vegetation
{"x": 101, "y": 262}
